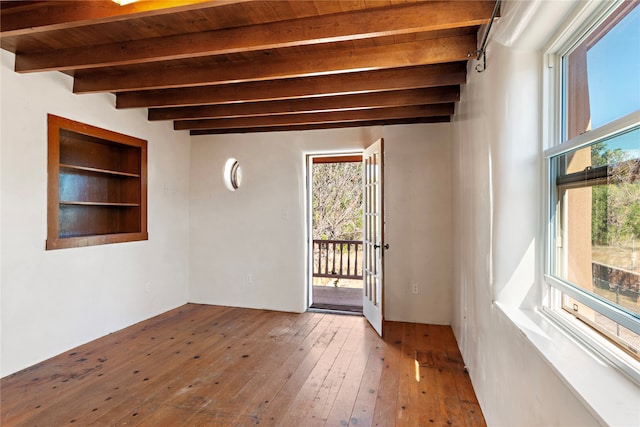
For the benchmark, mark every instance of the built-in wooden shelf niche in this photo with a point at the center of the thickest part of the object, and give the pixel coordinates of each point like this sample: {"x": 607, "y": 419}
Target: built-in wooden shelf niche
{"x": 97, "y": 186}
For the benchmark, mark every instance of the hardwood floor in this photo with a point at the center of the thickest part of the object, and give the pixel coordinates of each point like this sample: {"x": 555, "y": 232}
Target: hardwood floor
{"x": 203, "y": 365}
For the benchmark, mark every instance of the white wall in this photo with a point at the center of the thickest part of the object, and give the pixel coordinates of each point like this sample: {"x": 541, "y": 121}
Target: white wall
{"x": 259, "y": 230}
{"x": 418, "y": 214}
{"x": 55, "y": 300}
{"x": 497, "y": 227}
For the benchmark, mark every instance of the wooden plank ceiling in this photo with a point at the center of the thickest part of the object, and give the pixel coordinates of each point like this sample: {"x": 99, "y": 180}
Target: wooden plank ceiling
{"x": 232, "y": 66}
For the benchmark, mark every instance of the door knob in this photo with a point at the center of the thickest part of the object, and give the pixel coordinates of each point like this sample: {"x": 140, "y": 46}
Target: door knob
{"x": 386, "y": 246}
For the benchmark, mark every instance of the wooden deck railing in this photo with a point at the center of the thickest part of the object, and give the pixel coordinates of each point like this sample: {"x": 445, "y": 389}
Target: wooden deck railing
{"x": 339, "y": 259}
{"x": 622, "y": 282}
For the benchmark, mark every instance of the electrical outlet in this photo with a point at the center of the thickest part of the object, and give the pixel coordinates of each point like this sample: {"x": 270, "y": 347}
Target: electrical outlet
{"x": 249, "y": 278}
{"x": 414, "y": 288}
{"x": 147, "y": 287}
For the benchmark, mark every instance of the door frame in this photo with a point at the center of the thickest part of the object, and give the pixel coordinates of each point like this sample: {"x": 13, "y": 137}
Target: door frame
{"x": 338, "y": 155}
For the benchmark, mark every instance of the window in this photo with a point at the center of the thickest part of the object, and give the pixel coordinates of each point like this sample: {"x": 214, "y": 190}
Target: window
{"x": 594, "y": 199}
{"x": 232, "y": 174}
{"x": 97, "y": 186}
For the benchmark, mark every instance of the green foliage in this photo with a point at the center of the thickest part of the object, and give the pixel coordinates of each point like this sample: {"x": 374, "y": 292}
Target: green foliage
{"x": 599, "y": 216}
{"x": 602, "y": 156}
{"x": 615, "y": 209}
{"x": 632, "y": 221}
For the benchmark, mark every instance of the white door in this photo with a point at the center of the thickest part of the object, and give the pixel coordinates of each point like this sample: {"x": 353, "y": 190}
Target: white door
{"x": 373, "y": 235}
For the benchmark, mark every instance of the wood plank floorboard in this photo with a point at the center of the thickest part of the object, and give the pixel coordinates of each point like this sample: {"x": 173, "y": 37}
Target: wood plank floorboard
{"x": 203, "y": 365}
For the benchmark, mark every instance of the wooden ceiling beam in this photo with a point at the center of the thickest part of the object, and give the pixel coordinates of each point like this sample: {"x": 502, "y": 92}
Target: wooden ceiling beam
{"x": 433, "y": 51}
{"x": 61, "y": 14}
{"x": 317, "y": 118}
{"x": 350, "y": 83}
{"x": 317, "y": 126}
{"x": 437, "y": 95}
{"x": 380, "y": 22}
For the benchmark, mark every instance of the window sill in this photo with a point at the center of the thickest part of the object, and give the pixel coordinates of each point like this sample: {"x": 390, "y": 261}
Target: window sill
{"x": 605, "y": 391}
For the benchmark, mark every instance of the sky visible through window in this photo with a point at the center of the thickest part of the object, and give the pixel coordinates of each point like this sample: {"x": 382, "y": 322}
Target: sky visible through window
{"x": 613, "y": 69}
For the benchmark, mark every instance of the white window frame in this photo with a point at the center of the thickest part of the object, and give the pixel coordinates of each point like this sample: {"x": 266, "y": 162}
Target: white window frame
{"x": 584, "y": 19}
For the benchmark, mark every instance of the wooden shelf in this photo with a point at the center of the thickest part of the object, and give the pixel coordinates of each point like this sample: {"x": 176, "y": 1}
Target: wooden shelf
{"x": 97, "y": 186}
{"x": 124, "y": 205}
{"x": 96, "y": 170}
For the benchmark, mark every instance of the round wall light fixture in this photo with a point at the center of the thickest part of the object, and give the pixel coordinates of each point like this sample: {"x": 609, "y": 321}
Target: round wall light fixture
{"x": 232, "y": 174}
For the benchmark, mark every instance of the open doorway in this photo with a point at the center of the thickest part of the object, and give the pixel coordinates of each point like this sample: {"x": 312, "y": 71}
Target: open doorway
{"x": 336, "y": 248}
